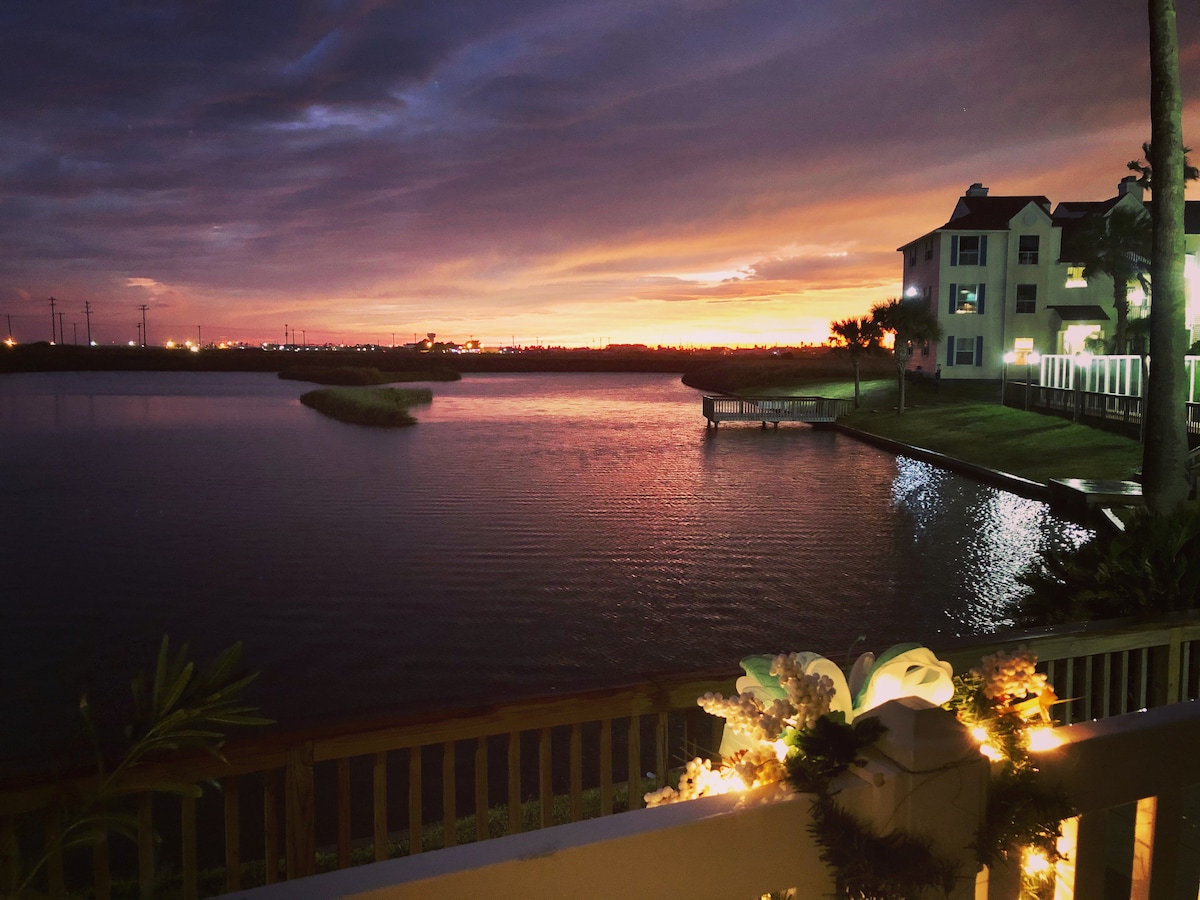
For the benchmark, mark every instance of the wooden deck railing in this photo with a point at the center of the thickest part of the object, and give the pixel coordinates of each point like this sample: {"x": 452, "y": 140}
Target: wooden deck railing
{"x": 1115, "y": 412}
{"x": 291, "y": 803}
{"x": 1131, "y": 779}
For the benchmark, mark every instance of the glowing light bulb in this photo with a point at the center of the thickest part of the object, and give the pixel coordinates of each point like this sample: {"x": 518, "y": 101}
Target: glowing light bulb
{"x": 1043, "y": 739}
{"x": 980, "y": 734}
{"x": 991, "y": 752}
{"x": 1035, "y": 862}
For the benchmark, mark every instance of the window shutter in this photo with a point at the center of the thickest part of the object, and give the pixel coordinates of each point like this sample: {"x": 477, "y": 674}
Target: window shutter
{"x": 950, "y": 351}
{"x": 983, "y": 249}
{"x": 954, "y": 249}
{"x": 979, "y": 299}
{"x": 979, "y": 350}
{"x": 953, "y": 298}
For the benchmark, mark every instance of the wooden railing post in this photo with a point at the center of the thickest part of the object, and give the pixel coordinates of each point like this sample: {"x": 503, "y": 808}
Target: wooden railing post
{"x": 145, "y": 844}
{"x": 299, "y": 812}
{"x": 1175, "y": 665}
{"x": 9, "y": 877}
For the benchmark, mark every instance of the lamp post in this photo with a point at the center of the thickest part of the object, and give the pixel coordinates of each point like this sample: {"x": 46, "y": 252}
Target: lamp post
{"x": 1031, "y": 359}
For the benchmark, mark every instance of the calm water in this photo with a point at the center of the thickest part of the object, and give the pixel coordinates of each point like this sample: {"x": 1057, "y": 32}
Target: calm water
{"x": 533, "y": 533}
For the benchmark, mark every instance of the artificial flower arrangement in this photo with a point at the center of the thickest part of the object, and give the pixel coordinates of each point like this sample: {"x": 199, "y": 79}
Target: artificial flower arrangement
{"x": 796, "y": 722}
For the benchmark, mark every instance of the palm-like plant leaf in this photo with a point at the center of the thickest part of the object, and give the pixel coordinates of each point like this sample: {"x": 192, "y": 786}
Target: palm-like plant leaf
{"x": 179, "y": 707}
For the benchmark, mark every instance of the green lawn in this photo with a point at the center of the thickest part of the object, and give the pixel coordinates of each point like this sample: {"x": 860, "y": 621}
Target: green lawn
{"x": 965, "y": 420}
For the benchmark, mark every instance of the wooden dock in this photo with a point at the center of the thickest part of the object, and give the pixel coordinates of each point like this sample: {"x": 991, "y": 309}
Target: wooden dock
{"x": 773, "y": 409}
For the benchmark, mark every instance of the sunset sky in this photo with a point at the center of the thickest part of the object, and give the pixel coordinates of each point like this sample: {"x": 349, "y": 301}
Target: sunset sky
{"x": 573, "y": 172}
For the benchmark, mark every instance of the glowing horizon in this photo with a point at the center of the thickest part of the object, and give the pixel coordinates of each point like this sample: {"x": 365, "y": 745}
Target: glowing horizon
{"x": 677, "y": 174}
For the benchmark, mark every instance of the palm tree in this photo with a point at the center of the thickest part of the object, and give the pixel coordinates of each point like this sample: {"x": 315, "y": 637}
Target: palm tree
{"x": 1146, "y": 171}
{"x": 1117, "y": 245}
{"x": 910, "y": 322}
{"x": 856, "y": 338}
{"x": 1164, "y": 454}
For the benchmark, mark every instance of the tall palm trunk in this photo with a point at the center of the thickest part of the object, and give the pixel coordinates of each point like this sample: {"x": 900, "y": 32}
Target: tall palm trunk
{"x": 1165, "y": 452}
{"x": 1121, "y": 305}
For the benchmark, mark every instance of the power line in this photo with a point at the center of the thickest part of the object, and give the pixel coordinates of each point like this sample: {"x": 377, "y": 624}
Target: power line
{"x": 145, "y": 336}
{"x": 53, "y": 335}
{"x": 87, "y": 311}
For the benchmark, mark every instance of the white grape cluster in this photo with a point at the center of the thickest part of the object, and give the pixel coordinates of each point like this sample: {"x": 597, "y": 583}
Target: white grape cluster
{"x": 1011, "y": 675}
{"x": 696, "y": 781}
{"x": 758, "y": 766}
{"x": 809, "y": 694}
{"x": 747, "y": 715}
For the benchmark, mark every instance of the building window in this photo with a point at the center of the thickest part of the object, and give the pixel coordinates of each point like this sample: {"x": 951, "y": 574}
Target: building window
{"x": 1075, "y": 277}
{"x": 968, "y": 250}
{"x": 1026, "y": 298}
{"x": 1027, "y": 249}
{"x": 964, "y": 351}
{"x": 966, "y": 299}
{"x": 929, "y": 249}
{"x": 912, "y": 256}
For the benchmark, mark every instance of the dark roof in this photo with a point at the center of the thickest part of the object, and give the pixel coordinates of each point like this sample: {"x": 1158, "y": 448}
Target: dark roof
{"x": 1071, "y": 216}
{"x": 982, "y": 213}
{"x": 1069, "y": 313}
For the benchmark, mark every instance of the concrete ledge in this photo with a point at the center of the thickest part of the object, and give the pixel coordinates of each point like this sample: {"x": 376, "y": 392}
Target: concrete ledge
{"x": 1024, "y": 487}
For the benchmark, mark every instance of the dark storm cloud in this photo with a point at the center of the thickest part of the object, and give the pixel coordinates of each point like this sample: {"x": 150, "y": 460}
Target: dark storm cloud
{"x": 366, "y": 147}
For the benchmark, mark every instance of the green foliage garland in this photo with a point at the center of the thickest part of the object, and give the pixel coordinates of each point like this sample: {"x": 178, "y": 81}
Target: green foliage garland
{"x": 866, "y": 865}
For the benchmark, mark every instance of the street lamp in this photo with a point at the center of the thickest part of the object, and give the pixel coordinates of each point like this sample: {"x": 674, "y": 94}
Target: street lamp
{"x": 1032, "y": 358}
{"x": 1009, "y": 358}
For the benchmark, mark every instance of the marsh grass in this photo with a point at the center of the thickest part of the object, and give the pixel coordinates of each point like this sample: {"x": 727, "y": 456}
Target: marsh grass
{"x": 376, "y": 407}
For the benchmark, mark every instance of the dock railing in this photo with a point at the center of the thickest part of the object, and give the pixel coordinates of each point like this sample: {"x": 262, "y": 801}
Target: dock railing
{"x": 774, "y": 409}
{"x": 291, "y": 804}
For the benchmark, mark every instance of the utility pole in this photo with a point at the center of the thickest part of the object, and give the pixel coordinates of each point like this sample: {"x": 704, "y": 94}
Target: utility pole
{"x": 74, "y": 333}
{"x": 145, "y": 334}
{"x": 9, "y": 317}
{"x": 87, "y": 311}
{"x": 199, "y": 343}
{"x": 285, "y": 334}
{"x": 139, "y": 334}
{"x": 53, "y": 336}
{"x": 62, "y": 334}
{"x": 303, "y": 337}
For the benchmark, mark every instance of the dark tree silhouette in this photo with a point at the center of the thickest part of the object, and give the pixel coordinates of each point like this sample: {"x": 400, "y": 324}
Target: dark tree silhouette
{"x": 856, "y": 338}
{"x": 1117, "y": 245}
{"x": 1146, "y": 171}
{"x": 911, "y": 323}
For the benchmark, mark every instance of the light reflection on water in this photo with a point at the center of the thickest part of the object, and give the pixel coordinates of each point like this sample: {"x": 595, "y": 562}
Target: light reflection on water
{"x": 993, "y": 536}
{"x": 532, "y": 533}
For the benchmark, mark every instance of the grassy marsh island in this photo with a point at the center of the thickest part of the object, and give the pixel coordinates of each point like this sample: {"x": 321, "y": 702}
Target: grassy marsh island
{"x": 363, "y": 375}
{"x": 376, "y": 407}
